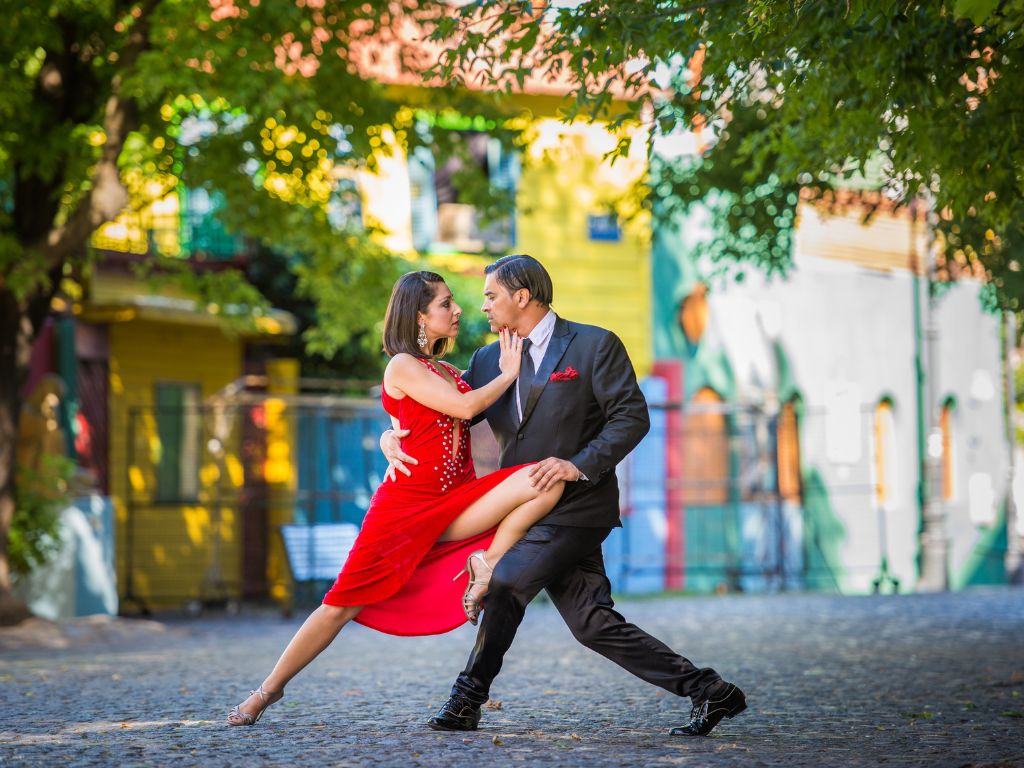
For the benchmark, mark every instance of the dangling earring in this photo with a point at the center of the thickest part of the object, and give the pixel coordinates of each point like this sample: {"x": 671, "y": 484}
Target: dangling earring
{"x": 422, "y": 338}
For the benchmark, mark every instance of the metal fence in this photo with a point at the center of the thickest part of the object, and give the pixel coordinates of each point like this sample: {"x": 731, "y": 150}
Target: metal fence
{"x": 208, "y": 486}
{"x": 702, "y": 507}
{"x": 720, "y": 497}
{"x": 714, "y": 498}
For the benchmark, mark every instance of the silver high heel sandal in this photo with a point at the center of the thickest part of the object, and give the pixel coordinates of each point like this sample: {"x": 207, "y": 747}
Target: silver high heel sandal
{"x": 471, "y": 606}
{"x": 237, "y": 717}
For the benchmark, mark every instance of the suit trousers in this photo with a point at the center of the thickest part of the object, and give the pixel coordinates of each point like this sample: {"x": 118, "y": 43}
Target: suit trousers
{"x": 567, "y": 561}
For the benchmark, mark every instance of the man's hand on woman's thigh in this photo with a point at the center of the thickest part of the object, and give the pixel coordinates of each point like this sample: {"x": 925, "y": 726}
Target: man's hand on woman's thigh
{"x": 544, "y": 474}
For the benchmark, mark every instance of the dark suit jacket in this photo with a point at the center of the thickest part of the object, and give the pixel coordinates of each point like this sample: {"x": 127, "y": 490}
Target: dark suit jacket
{"x": 593, "y": 420}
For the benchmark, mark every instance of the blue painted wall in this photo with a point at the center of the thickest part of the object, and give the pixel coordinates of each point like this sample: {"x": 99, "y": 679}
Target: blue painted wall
{"x": 340, "y": 464}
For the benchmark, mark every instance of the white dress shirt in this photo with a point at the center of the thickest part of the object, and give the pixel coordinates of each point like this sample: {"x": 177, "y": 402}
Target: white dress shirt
{"x": 539, "y": 338}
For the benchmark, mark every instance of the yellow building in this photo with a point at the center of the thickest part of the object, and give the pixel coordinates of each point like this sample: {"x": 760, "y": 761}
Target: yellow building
{"x": 154, "y": 365}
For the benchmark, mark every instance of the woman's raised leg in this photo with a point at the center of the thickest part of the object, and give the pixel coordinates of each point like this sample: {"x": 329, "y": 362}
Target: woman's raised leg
{"x": 513, "y": 505}
{"x": 315, "y": 634}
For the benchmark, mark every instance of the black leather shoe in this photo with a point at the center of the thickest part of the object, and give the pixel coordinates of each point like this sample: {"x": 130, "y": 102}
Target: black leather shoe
{"x": 457, "y": 714}
{"x": 709, "y": 713}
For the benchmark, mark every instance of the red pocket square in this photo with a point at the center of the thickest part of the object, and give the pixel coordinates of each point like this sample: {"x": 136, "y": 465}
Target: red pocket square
{"x": 569, "y": 374}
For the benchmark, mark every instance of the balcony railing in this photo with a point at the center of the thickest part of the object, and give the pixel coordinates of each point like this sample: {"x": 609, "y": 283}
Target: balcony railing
{"x": 184, "y": 225}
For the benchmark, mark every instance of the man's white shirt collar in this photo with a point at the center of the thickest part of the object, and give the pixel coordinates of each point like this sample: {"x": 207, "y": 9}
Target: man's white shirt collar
{"x": 541, "y": 333}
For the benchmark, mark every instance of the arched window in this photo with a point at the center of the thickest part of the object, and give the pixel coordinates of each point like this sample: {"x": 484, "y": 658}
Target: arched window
{"x": 706, "y": 474}
{"x": 693, "y": 313}
{"x": 788, "y": 452}
{"x": 885, "y": 453}
{"x": 946, "y": 418}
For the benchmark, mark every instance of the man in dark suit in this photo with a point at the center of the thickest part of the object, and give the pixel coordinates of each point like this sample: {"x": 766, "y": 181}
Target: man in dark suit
{"x": 577, "y": 411}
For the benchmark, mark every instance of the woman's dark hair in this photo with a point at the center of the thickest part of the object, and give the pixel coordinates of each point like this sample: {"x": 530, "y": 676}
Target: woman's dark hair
{"x": 412, "y": 293}
{"x": 521, "y": 271}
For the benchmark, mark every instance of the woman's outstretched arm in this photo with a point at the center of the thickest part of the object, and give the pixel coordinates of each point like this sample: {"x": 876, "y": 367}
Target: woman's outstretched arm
{"x": 407, "y": 376}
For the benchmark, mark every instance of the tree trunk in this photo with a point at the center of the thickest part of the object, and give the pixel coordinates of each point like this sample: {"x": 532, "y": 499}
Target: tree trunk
{"x": 20, "y": 319}
{"x": 15, "y": 348}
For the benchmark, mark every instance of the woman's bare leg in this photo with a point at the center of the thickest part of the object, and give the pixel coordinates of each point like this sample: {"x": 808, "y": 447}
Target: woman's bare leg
{"x": 513, "y": 505}
{"x": 316, "y": 633}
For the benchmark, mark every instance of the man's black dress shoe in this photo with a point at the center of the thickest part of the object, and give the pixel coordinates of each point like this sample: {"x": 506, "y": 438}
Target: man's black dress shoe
{"x": 457, "y": 714}
{"x": 709, "y": 713}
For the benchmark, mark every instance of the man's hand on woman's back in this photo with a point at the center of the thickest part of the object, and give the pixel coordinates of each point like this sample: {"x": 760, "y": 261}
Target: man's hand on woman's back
{"x": 391, "y": 447}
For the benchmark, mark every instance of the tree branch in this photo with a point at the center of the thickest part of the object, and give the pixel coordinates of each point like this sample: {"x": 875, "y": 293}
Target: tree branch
{"x": 539, "y": 8}
{"x": 108, "y": 196}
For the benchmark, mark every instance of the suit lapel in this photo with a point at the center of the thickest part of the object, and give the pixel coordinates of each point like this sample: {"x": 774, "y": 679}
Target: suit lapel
{"x": 508, "y": 405}
{"x": 560, "y": 338}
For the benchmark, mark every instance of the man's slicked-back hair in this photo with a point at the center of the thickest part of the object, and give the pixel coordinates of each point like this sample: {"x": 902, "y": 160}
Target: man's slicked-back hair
{"x": 521, "y": 271}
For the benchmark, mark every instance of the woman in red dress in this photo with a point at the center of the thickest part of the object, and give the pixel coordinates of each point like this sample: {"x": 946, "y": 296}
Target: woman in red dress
{"x": 421, "y": 528}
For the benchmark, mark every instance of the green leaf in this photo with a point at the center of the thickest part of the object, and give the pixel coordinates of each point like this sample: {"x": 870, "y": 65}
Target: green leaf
{"x": 977, "y": 11}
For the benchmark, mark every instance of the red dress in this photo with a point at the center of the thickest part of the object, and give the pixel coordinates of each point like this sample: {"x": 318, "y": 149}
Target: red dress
{"x": 397, "y": 569}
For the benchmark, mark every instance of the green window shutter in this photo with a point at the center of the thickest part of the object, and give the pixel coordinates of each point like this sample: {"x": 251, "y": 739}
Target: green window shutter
{"x": 424, "y": 198}
{"x": 178, "y": 423}
{"x": 503, "y": 166}
{"x": 169, "y": 426}
{"x": 503, "y": 169}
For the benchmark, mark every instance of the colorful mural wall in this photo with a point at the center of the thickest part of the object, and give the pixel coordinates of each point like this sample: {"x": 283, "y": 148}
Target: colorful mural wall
{"x": 827, "y": 358}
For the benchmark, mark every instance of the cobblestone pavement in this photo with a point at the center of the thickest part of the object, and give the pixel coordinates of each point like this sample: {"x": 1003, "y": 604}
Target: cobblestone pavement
{"x": 831, "y": 681}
